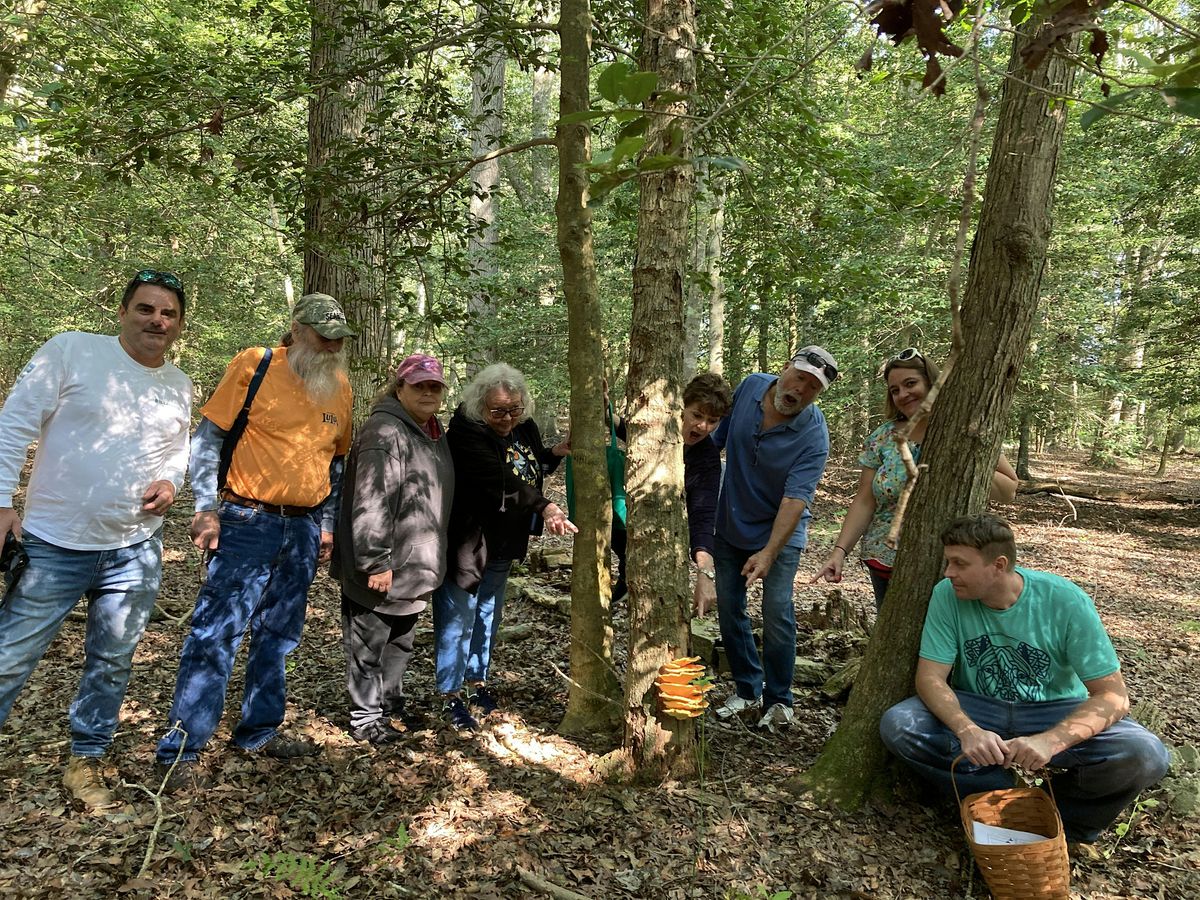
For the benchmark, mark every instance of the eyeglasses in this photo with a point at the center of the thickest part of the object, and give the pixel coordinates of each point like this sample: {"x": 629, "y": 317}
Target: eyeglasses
{"x": 906, "y": 354}
{"x": 153, "y": 276}
{"x": 819, "y": 362}
{"x": 513, "y": 412}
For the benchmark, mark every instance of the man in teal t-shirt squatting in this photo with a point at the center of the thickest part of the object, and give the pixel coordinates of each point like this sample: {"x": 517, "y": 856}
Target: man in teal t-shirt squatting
{"x": 1016, "y": 668}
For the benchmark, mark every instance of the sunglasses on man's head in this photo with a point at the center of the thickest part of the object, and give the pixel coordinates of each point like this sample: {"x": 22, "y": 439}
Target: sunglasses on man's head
{"x": 819, "y": 362}
{"x": 165, "y": 279}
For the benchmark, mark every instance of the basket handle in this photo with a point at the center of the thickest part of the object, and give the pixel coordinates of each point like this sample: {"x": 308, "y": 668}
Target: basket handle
{"x": 1042, "y": 773}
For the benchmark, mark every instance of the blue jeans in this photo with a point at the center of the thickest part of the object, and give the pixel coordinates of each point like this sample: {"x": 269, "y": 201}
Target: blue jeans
{"x": 120, "y": 586}
{"x": 465, "y": 626}
{"x": 772, "y": 677}
{"x": 259, "y": 577}
{"x": 1104, "y": 773}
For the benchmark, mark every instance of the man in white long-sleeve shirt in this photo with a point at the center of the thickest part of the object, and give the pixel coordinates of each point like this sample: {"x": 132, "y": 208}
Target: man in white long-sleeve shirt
{"x": 111, "y": 418}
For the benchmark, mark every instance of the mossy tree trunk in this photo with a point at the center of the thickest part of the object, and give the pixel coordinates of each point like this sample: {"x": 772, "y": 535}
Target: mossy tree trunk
{"x": 592, "y": 703}
{"x": 966, "y": 429}
{"x": 658, "y": 585}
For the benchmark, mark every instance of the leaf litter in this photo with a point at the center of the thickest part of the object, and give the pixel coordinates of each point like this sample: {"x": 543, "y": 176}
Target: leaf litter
{"x": 437, "y": 815}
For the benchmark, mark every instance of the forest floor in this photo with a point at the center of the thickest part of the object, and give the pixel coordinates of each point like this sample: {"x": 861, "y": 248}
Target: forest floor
{"x": 439, "y": 815}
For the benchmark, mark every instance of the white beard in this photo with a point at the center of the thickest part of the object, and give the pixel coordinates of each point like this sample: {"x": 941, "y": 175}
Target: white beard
{"x": 317, "y": 369}
{"x": 784, "y": 408}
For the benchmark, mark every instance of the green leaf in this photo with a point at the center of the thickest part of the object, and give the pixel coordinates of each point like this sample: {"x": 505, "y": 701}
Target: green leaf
{"x": 601, "y": 187}
{"x": 627, "y": 115}
{"x": 660, "y": 162}
{"x": 1182, "y": 100}
{"x": 730, "y": 163}
{"x": 1089, "y": 118}
{"x": 627, "y": 147}
{"x": 584, "y": 116}
{"x": 610, "y": 81}
{"x": 19, "y": 122}
{"x": 639, "y": 86}
{"x": 633, "y": 127}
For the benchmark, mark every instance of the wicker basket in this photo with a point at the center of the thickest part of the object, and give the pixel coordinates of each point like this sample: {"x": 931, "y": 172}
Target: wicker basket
{"x": 1018, "y": 871}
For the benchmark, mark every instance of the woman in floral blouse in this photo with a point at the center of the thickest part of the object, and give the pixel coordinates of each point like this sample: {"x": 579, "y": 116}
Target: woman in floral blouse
{"x": 909, "y": 375}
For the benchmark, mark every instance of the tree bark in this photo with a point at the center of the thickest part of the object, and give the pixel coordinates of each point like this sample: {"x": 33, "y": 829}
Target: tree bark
{"x": 659, "y": 611}
{"x": 967, "y": 425}
{"x": 592, "y": 703}
{"x": 487, "y": 123}
{"x": 342, "y": 241}
{"x": 14, "y": 41}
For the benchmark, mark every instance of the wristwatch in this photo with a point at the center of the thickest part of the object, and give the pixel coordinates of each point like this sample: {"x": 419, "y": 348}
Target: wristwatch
{"x": 711, "y": 574}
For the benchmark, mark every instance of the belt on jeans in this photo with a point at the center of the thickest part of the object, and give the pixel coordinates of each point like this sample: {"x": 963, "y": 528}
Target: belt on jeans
{"x": 279, "y": 509}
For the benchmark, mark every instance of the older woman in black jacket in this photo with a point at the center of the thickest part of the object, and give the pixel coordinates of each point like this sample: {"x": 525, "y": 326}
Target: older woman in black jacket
{"x": 499, "y": 464}
{"x": 390, "y": 543}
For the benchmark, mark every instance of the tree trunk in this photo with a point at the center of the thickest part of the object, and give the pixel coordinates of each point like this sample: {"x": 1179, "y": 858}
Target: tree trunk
{"x": 696, "y": 292}
{"x": 592, "y": 703}
{"x": 658, "y": 584}
{"x": 342, "y": 240}
{"x": 539, "y": 162}
{"x": 24, "y": 19}
{"x": 966, "y": 429}
{"x": 716, "y": 302}
{"x": 487, "y": 123}
{"x": 1023, "y": 444}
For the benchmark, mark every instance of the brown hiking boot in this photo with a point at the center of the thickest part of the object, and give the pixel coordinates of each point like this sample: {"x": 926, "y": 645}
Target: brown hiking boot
{"x": 83, "y": 779}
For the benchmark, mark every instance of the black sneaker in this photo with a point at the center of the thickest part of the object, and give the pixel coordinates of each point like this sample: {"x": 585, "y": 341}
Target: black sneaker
{"x": 483, "y": 702}
{"x": 413, "y": 719}
{"x": 377, "y": 732}
{"x": 280, "y": 747}
{"x": 457, "y": 714}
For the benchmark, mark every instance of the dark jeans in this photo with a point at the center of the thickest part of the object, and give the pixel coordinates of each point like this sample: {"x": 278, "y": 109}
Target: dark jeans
{"x": 879, "y": 584}
{"x": 259, "y": 577}
{"x": 770, "y": 677}
{"x": 378, "y": 649}
{"x": 1104, "y": 773}
{"x": 120, "y": 586}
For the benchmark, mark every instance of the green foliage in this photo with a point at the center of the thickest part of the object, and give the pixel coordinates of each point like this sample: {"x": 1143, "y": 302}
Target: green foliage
{"x": 758, "y": 892}
{"x": 301, "y": 873}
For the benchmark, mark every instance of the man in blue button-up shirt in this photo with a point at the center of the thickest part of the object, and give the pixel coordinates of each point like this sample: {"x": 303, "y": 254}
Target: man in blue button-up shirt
{"x": 776, "y": 444}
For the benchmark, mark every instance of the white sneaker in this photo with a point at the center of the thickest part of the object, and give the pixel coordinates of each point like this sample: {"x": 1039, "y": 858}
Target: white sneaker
{"x": 776, "y": 717}
{"x": 735, "y": 705}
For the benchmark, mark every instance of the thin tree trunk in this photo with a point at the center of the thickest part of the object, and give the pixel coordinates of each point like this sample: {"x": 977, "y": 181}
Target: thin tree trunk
{"x": 716, "y": 302}
{"x": 592, "y": 703}
{"x": 487, "y": 123}
{"x": 658, "y": 586}
{"x": 967, "y": 428}
{"x": 1023, "y": 444}
{"x": 14, "y": 41}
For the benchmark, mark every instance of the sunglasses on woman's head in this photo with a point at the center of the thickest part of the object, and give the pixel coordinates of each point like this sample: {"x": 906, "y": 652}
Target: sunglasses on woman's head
{"x": 906, "y": 354}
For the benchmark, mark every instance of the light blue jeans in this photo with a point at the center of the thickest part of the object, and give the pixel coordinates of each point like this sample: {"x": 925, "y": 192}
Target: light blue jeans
{"x": 120, "y": 586}
{"x": 259, "y": 577}
{"x": 772, "y": 677}
{"x": 465, "y": 626}
{"x": 1103, "y": 774}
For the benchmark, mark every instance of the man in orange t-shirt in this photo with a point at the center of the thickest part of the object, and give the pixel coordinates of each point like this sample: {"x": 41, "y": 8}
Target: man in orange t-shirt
{"x": 264, "y": 531}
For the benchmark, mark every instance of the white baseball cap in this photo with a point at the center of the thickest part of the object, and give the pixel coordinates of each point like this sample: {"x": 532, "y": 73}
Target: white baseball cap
{"x": 818, "y": 362}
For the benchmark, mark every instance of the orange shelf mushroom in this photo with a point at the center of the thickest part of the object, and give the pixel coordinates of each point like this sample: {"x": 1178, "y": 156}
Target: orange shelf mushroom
{"x": 681, "y": 689}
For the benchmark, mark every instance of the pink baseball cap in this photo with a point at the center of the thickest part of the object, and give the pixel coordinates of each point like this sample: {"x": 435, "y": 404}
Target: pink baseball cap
{"x": 420, "y": 367}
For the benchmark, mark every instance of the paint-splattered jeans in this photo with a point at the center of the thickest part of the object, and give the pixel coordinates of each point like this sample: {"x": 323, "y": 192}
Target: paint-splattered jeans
{"x": 1103, "y": 774}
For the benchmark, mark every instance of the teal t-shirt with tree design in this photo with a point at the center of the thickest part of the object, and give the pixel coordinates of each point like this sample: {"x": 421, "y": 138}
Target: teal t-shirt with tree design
{"x": 1042, "y": 648}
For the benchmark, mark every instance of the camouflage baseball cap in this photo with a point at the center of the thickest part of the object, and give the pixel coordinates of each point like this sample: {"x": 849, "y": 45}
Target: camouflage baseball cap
{"x": 324, "y": 315}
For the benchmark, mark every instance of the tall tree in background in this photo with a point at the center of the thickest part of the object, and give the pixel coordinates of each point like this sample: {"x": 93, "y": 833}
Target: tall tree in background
{"x": 967, "y": 429}
{"x": 659, "y": 610}
{"x": 343, "y": 238}
{"x": 591, "y": 703}
{"x": 487, "y": 123}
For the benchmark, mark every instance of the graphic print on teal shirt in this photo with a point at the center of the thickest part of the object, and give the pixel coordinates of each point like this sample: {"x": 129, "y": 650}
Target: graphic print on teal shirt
{"x": 881, "y": 454}
{"x": 1006, "y": 672}
{"x": 1043, "y": 647}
